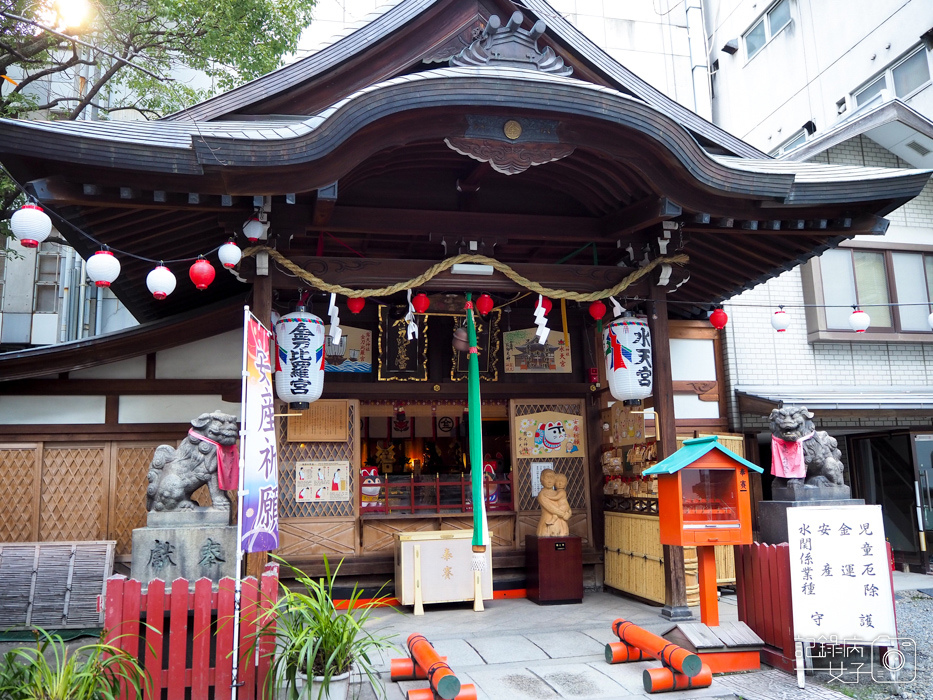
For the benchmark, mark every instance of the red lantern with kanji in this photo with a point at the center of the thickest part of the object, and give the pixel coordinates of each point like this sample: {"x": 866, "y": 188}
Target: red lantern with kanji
{"x": 356, "y": 304}
{"x": 201, "y": 273}
{"x": 484, "y": 304}
{"x": 718, "y": 319}
{"x": 597, "y": 310}
{"x": 420, "y": 303}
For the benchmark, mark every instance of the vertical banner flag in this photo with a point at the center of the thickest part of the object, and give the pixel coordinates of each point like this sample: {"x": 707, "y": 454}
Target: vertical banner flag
{"x": 259, "y": 484}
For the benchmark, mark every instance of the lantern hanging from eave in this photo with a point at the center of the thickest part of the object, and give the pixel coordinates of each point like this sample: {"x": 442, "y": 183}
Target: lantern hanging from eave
{"x": 299, "y": 376}
{"x": 718, "y": 319}
{"x": 356, "y": 304}
{"x": 859, "y": 321}
{"x": 255, "y": 228}
{"x": 484, "y": 304}
{"x": 30, "y": 225}
{"x": 627, "y": 344}
{"x": 229, "y": 254}
{"x": 420, "y": 302}
{"x": 597, "y": 310}
{"x": 201, "y": 273}
{"x": 103, "y": 268}
{"x": 780, "y": 320}
{"x": 161, "y": 282}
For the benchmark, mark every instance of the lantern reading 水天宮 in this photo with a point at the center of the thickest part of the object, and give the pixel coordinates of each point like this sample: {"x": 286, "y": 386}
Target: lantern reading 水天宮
{"x": 299, "y": 371}
{"x": 627, "y": 344}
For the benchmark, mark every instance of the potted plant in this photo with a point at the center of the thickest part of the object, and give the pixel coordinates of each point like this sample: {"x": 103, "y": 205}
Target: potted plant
{"x": 317, "y": 643}
{"x": 51, "y": 671}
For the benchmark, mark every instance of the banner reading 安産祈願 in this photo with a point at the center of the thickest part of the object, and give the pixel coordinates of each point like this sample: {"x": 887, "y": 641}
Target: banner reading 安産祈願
{"x": 260, "y": 500}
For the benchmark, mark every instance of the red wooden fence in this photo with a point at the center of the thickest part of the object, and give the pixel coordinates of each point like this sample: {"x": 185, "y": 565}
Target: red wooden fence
{"x": 762, "y": 584}
{"x": 154, "y": 627}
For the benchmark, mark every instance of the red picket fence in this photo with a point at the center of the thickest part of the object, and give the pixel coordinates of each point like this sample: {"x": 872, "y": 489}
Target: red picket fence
{"x": 185, "y": 640}
{"x": 762, "y": 584}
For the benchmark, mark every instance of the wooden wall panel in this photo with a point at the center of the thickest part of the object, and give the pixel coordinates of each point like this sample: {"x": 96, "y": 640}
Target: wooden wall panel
{"x": 75, "y": 491}
{"x": 379, "y": 535}
{"x": 335, "y": 537}
{"x": 129, "y": 466}
{"x": 19, "y": 484}
{"x": 501, "y": 528}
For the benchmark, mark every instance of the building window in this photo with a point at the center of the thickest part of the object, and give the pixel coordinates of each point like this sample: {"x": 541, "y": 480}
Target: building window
{"x": 901, "y": 79}
{"x": 797, "y": 139}
{"x": 772, "y": 22}
{"x": 866, "y": 277}
{"x": 47, "y": 269}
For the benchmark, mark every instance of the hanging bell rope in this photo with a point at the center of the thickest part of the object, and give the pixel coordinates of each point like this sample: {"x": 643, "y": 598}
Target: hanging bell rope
{"x": 435, "y": 270}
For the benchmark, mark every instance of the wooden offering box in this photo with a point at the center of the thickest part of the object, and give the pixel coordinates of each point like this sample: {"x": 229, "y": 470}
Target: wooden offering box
{"x": 704, "y": 495}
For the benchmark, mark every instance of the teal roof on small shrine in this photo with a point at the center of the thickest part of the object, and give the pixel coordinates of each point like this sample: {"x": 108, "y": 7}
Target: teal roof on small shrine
{"x": 692, "y": 450}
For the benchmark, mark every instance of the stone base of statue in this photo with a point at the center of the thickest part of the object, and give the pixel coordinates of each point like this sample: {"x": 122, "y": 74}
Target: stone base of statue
{"x": 796, "y": 491}
{"x": 772, "y": 515}
{"x": 189, "y": 544}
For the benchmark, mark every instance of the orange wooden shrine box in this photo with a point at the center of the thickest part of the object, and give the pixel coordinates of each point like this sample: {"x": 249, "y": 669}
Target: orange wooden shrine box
{"x": 704, "y": 495}
{"x": 704, "y": 499}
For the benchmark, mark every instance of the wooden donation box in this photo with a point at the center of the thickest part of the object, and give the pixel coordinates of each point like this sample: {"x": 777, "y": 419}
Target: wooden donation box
{"x": 554, "y": 567}
{"x": 435, "y": 567}
{"x": 704, "y": 500}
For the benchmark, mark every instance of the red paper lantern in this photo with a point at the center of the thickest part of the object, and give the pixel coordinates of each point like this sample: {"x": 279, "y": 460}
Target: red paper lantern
{"x": 484, "y": 304}
{"x": 356, "y": 304}
{"x": 201, "y": 273}
{"x": 546, "y": 303}
{"x": 420, "y": 302}
{"x": 718, "y": 319}
{"x": 597, "y": 310}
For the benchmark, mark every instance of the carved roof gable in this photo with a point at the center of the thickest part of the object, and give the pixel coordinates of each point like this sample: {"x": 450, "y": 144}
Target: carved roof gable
{"x": 512, "y": 46}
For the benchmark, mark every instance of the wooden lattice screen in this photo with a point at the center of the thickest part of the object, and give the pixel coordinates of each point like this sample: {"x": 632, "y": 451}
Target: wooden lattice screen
{"x": 19, "y": 484}
{"x": 575, "y": 468}
{"x": 75, "y": 487}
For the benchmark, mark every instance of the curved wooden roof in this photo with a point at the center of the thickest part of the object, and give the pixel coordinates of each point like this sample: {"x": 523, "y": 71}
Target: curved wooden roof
{"x": 418, "y": 162}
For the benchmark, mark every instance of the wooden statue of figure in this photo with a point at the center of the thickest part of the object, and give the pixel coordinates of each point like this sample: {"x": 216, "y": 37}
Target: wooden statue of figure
{"x": 555, "y": 510}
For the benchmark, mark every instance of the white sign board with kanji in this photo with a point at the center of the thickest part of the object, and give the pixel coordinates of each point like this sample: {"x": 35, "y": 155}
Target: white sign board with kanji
{"x": 839, "y": 575}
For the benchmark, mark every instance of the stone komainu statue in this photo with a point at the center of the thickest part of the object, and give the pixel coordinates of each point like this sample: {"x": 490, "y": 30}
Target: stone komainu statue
{"x": 175, "y": 474}
{"x": 798, "y": 439}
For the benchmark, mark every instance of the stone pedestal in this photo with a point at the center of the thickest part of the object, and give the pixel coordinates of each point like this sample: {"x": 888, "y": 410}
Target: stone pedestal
{"x": 772, "y": 515}
{"x": 802, "y": 492}
{"x": 189, "y": 544}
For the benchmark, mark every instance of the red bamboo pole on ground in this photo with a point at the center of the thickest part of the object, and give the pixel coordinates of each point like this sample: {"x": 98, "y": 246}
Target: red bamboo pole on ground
{"x": 439, "y": 674}
{"x": 668, "y": 653}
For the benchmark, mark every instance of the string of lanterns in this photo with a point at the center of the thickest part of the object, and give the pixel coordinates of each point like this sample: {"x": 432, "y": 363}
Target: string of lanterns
{"x": 31, "y": 226}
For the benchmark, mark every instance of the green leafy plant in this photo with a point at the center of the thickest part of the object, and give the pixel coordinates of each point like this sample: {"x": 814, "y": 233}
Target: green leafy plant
{"x": 316, "y": 638}
{"x": 51, "y": 671}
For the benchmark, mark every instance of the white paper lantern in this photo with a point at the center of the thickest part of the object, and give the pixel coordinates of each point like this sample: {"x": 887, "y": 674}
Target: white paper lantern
{"x": 161, "y": 282}
{"x": 30, "y": 225}
{"x": 627, "y": 344}
{"x": 780, "y": 320}
{"x": 229, "y": 254}
{"x": 299, "y": 370}
{"x": 254, "y": 229}
{"x": 103, "y": 268}
{"x": 859, "y": 321}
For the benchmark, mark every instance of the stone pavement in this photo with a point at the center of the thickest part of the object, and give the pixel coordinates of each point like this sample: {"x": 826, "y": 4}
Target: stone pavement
{"x": 517, "y": 650}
